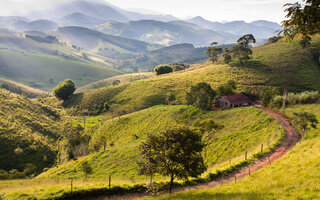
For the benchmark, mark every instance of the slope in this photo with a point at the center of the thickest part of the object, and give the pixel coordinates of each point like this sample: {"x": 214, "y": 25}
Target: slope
{"x": 95, "y": 41}
{"x": 39, "y": 60}
{"x": 28, "y": 131}
{"x": 294, "y": 176}
{"x": 164, "y": 33}
{"x": 281, "y": 65}
{"x": 122, "y": 137}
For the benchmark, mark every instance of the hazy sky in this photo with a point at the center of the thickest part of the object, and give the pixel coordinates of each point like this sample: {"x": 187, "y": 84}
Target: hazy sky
{"x": 215, "y": 10}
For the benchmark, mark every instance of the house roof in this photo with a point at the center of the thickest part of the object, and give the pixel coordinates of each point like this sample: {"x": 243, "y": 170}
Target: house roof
{"x": 237, "y": 99}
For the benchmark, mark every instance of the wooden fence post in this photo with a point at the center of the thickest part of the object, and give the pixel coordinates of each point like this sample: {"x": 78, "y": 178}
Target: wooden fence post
{"x": 109, "y": 181}
{"x": 71, "y": 185}
{"x": 269, "y": 160}
{"x": 235, "y": 179}
{"x": 249, "y": 172}
{"x": 261, "y": 148}
{"x": 230, "y": 162}
{"x": 245, "y": 157}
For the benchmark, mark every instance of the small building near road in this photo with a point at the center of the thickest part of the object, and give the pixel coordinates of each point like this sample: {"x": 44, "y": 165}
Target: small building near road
{"x": 233, "y": 101}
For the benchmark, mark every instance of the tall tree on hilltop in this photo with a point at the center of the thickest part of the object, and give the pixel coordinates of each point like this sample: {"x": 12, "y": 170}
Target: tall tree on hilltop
{"x": 213, "y": 52}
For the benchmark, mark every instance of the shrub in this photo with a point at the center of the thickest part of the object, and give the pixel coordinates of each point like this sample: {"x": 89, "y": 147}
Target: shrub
{"x": 64, "y": 90}
{"x": 163, "y": 69}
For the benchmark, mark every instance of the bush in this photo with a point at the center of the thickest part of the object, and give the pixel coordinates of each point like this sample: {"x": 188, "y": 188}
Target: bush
{"x": 163, "y": 69}
{"x": 64, "y": 90}
{"x": 292, "y": 99}
{"x": 179, "y": 66}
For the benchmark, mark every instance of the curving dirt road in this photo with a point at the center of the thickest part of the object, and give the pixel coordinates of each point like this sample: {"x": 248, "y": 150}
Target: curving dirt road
{"x": 289, "y": 141}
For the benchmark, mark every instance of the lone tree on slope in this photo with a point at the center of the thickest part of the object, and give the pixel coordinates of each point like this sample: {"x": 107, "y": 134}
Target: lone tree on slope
{"x": 163, "y": 69}
{"x": 174, "y": 152}
{"x": 242, "y": 50}
{"x": 64, "y": 90}
{"x": 213, "y": 52}
{"x": 201, "y": 95}
{"x": 305, "y": 120}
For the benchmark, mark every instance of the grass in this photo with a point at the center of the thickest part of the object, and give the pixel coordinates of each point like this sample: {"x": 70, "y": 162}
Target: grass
{"x": 30, "y": 126}
{"x": 294, "y": 176}
{"x": 126, "y": 78}
{"x": 281, "y": 65}
{"x": 127, "y": 132}
{"x": 22, "y": 89}
{"x": 46, "y": 71}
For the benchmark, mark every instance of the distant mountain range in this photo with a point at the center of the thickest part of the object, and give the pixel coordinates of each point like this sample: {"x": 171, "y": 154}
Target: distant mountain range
{"x": 159, "y": 29}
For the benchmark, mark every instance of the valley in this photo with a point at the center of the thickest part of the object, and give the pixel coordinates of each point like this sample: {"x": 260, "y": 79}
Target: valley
{"x": 100, "y": 102}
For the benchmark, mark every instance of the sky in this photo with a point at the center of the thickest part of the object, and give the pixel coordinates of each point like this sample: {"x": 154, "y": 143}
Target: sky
{"x": 214, "y": 10}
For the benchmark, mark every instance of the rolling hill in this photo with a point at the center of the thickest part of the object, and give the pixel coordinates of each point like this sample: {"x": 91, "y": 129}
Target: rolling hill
{"x": 95, "y": 41}
{"x": 165, "y": 33}
{"x": 294, "y": 176}
{"x": 281, "y": 65}
{"x": 28, "y": 132}
{"x": 261, "y": 29}
{"x": 40, "y": 61}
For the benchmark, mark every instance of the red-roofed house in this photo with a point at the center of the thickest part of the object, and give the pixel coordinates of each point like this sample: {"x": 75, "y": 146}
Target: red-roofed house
{"x": 237, "y": 100}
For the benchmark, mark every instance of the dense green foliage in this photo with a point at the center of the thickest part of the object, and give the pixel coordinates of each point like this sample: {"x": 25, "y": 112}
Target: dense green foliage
{"x": 227, "y": 89}
{"x": 213, "y": 52}
{"x": 64, "y": 90}
{"x": 163, "y": 69}
{"x": 304, "y": 121}
{"x": 302, "y": 19}
{"x": 28, "y": 132}
{"x": 175, "y": 152}
{"x": 201, "y": 95}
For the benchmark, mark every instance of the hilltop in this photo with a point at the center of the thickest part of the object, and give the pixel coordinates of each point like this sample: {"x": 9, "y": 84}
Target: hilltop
{"x": 41, "y": 61}
{"x": 281, "y": 65}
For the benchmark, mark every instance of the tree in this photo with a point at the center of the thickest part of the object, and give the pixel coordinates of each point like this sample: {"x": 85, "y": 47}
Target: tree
{"x": 227, "y": 89}
{"x": 305, "y": 42}
{"x": 116, "y": 82}
{"x": 267, "y": 96}
{"x": 304, "y": 20}
{"x": 163, "y": 69}
{"x": 201, "y": 95}
{"x": 304, "y": 120}
{"x": 246, "y": 40}
{"x": 175, "y": 152}
{"x": 226, "y": 56}
{"x": 274, "y": 39}
{"x": 86, "y": 168}
{"x": 242, "y": 50}
{"x": 179, "y": 66}
{"x": 64, "y": 90}
{"x": 213, "y": 52}
{"x": 170, "y": 97}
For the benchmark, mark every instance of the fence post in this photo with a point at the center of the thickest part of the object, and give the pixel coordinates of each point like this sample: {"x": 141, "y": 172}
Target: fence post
{"x": 249, "y": 172}
{"x": 71, "y": 185}
{"x": 269, "y": 160}
{"x": 109, "y": 181}
{"x": 245, "y": 157}
{"x": 261, "y": 148}
{"x": 235, "y": 179}
{"x": 230, "y": 162}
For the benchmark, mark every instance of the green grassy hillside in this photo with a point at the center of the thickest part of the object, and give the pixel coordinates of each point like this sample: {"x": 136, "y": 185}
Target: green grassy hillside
{"x": 123, "y": 135}
{"x": 28, "y": 131}
{"x": 294, "y": 176}
{"x": 126, "y": 78}
{"x": 22, "y": 89}
{"x": 282, "y": 65}
{"x": 42, "y": 63}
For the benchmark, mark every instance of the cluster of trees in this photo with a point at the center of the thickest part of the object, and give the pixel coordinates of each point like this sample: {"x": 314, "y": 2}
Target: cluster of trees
{"x": 164, "y": 69}
{"x": 240, "y": 51}
{"x": 64, "y": 90}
